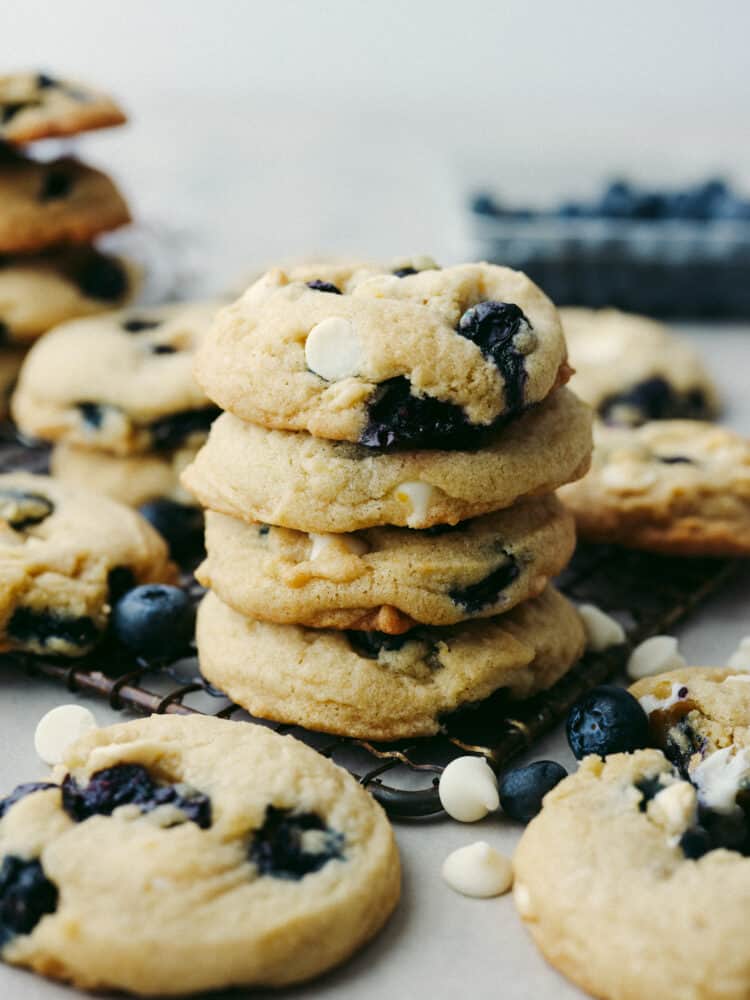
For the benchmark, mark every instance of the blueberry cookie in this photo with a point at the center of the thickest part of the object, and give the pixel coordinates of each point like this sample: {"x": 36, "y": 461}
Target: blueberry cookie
{"x": 175, "y": 855}
{"x": 302, "y": 482}
{"x": 60, "y": 201}
{"x": 384, "y": 687}
{"x": 632, "y": 369}
{"x": 626, "y": 893}
{"x": 676, "y": 486}
{"x": 133, "y": 389}
{"x": 11, "y": 361}
{"x": 38, "y": 106}
{"x": 388, "y": 579}
{"x": 65, "y": 553}
{"x": 39, "y": 292}
{"x": 402, "y": 358}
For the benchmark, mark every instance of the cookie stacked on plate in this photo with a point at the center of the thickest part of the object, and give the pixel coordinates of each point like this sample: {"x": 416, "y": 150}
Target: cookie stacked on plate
{"x": 116, "y": 395}
{"x": 381, "y": 523}
{"x": 50, "y": 212}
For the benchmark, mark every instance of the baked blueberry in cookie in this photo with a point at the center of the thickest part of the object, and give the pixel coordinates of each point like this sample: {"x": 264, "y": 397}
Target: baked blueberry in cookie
{"x": 26, "y": 895}
{"x": 291, "y": 845}
{"x": 155, "y": 620}
{"x": 21, "y": 509}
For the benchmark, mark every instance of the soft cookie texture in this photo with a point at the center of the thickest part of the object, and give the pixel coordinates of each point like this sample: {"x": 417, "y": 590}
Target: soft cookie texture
{"x": 65, "y": 553}
{"x": 302, "y": 482}
{"x": 38, "y": 106}
{"x": 385, "y": 357}
{"x": 380, "y": 687}
{"x": 132, "y": 389}
{"x": 47, "y": 203}
{"x": 676, "y": 486}
{"x": 632, "y": 369}
{"x": 131, "y": 479}
{"x": 39, "y": 292}
{"x": 388, "y": 579}
{"x": 189, "y": 854}
{"x": 606, "y": 883}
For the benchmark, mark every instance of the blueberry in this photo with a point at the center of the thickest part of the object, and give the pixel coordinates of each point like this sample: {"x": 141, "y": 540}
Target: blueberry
{"x": 49, "y": 631}
{"x": 404, "y": 272}
{"x": 607, "y": 720}
{"x": 369, "y": 644}
{"x": 9, "y": 111}
{"x": 170, "y": 432}
{"x": 695, "y": 842}
{"x": 278, "y": 847}
{"x": 26, "y": 894}
{"x": 21, "y": 509}
{"x": 20, "y": 792}
{"x": 484, "y": 204}
{"x": 397, "y": 419}
{"x": 654, "y": 399}
{"x": 323, "y": 286}
{"x": 92, "y": 414}
{"x": 137, "y": 324}
{"x": 179, "y": 524}
{"x": 493, "y": 326}
{"x": 155, "y": 621}
{"x": 649, "y": 788}
{"x": 618, "y": 201}
{"x": 487, "y": 591}
{"x": 57, "y": 183}
{"x": 163, "y": 349}
{"x": 43, "y": 81}
{"x": 103, "y": 278}
{"x": 523, "y": 788}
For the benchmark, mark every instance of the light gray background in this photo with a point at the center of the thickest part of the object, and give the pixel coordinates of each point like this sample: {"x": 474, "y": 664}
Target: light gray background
{"x": 268, "y": 129}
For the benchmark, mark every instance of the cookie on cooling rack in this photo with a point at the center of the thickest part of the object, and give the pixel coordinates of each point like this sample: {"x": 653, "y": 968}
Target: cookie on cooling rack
{"x": 675, "y": 486}
{"x": 64, "y": 553}
{"x": 302, "y": 482}
{"x": 39, "y": 106}
{"x": 190, "y": 854}
{"x": 400, "y": 357}
{"x": 620, "y": 845}
{"x": 44, "y": 204}
{"x": 132, "y": 389}
{"x": 385, "y": 687}
{"x": 388, "y": 579}
{"x": 632, "y": 369}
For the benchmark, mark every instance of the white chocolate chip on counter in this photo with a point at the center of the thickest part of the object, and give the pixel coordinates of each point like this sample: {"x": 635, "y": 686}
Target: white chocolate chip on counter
{"x": 333, "y": 350}
{"x": 654, "y": 656}
{"x": 602, "y": 631}
{"x": 59, "y": 728}
{"x": 478, "y": 870}
{"x": 419, "y": 496}
{"x": 468, "y": 789}
{"x": 740, "y": 658}
{"x": 327, "y": 543}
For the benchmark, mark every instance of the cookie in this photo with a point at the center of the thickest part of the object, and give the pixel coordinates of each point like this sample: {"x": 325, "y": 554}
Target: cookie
{"x": 297, "y": 481}
{"x": 65, "y": 553}
{"x": 381, "y": 687}
{"x": 39, "y": 292}
{"x": 388, "y": 579}
{"x": 632, "y": 369}
{"x": 412, "y": 358}
{"x": 607, "y": 882}
{"x": 43, "y": 204}
{"x": 187, "y": 854}
{"x": 675, "y": 486}
{"x": 133, "y": 479}
{"x": 11, "y": 360}
{"x": 38, "y": 106}
{"x": 132, "y": 391}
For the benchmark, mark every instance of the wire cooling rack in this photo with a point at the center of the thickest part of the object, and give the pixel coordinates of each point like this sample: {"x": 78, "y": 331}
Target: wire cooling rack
{"x": 645, "y": 592}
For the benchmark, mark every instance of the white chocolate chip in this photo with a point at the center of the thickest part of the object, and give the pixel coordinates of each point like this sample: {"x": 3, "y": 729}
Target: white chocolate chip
{"x": 650, "y": 703}
{"x": 522, "y": 899}
{"x": 328, "y": 543}
{"x": 674, "y": 808}
{"x": 59, "y": 728}
{"x": 333, "y": 350}
{"x": 719, "y": 776}
{"x": 478, "y": 870}
{"x": 468, "y": 789}
{"x": 740, "y": 658}
{"x": 654, "y": 656}
{"x": 602, "y": 631}
{"x": 419, "y": 496}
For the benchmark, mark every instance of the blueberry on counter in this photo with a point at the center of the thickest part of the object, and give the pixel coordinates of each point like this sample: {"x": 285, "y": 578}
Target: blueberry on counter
{"x": 523, "y": 788}
{"x": 180, "y": 525}
{"x": 156, "y": 621}
{"x": 607, "y": 720}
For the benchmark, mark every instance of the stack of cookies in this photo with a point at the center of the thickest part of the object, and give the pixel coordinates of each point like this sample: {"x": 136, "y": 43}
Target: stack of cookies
{"x": 50, "y": 211}
{"x": 381, "y": 522}
{"x": 116, "y": 395}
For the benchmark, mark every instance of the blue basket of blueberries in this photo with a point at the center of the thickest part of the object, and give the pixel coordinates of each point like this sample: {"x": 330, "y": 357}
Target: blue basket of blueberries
{"x": 679, "y": 254}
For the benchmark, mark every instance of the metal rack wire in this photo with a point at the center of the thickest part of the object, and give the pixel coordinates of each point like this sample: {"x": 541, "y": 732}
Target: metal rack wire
{"x": 646, "y": 593}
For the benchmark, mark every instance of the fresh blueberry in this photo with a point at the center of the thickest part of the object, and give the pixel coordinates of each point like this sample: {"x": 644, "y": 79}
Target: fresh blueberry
{"x": 155, "y": 621}
{"x": 323, "y": 286}
{"x": 618, "y": 201}
{"x": 493, "y": 326}
{"x": 523, "y": 788}
{"x": 278, "y": 847}
{"x": 103, "y": 278}
{"x": 26, "y": 894}
{"x": 179, "y": 524}
{"x": 607, "y": 720}
{"x": 487, "y": 591}
{"x": 20, "y": 792}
